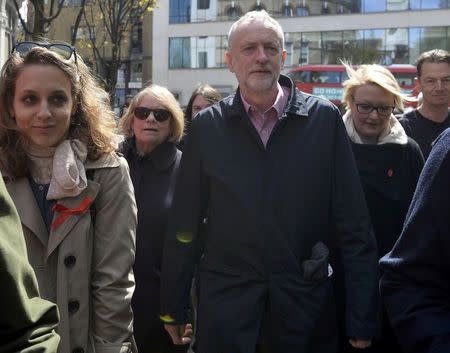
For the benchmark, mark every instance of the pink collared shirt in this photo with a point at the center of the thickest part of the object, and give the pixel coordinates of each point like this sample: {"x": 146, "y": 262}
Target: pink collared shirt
{"x": 264, "y": 122}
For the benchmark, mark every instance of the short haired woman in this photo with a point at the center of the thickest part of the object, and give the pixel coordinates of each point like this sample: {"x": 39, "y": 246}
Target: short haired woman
{"x": 389, "y": 162}
{"x": 152, "y": 126}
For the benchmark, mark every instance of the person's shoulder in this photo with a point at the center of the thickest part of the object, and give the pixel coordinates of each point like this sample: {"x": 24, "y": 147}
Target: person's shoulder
{"x": 407, "y": 117}
{"x": 438, "y": 161}
{"x": 215, "y": 114}
{"x": 414, "y": 149}
{"x": 442, "y": 142}
{"x": 306, "y": 104}
{"x": 412, "y": 144}
{"x": 317, "y": 104}
{"x": 105, "y": 160}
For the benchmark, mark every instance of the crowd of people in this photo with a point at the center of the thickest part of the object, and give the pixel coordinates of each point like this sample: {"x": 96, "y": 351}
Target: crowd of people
{"x": 249, "y": 224}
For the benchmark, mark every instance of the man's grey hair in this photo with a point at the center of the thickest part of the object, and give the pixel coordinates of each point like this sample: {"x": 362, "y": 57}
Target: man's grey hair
{"x": 256, "y": 16}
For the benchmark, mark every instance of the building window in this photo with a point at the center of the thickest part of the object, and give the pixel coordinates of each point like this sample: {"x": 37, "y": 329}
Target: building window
{"x": 397, "y": 5}
{"x": 197, "y": 52}
{"x": 374, "y": 6}
{"x": 136, "y": 37}
{"x": 302, "y": 9}
{"x": 202, "y": 60}
{"x": 383, "y": 46}
{"x": 258, "y": 6}
{"x": 312, "y": 46}
{"x": 428, "y": 4}
{"x": 331, "y": 47}
{"x": 203, "y": 4}
{"x": 325, "y": 8}
{"x": 287, "y": 10}
{"x": 289, "y": 47}
{"x": 397, "y": 45}
{"x": 233, "y": 11}
{"x": 179, "y": 11}
{"x": 179, "y": 53}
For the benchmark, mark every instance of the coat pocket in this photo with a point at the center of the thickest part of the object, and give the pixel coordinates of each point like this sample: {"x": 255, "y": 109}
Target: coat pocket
{"x": 317, "y": 266}
{"x": 308, "y": 305}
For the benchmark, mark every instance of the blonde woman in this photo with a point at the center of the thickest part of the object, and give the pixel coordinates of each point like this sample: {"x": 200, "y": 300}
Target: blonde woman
{"x": 389, "y": 163}
{"x": 72, "y": 191}
{"x": 152, "y": 126}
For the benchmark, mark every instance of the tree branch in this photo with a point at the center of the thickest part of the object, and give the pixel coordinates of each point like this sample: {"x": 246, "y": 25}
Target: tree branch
{"x": 77, "y": 23}
{"x": 21, "y": 19}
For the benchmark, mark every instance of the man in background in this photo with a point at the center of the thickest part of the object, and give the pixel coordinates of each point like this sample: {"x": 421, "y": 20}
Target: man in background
{"x": 432, "y": 117}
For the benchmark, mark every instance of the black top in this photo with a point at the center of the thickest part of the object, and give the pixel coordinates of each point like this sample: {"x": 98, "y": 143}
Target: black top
{"x": 389, "y": 174}
{"x": 153, "y": 178}
{"x": 422, "y": 130}
{"x": 40, "y": 194}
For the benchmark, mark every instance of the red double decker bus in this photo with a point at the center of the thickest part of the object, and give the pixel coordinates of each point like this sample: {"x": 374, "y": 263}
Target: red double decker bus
{"x": 326, "y": 80}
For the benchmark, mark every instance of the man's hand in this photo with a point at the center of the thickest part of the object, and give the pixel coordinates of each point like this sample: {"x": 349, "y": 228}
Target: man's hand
{"x": 180, "y": 334}
{"x": 361, "y": 344}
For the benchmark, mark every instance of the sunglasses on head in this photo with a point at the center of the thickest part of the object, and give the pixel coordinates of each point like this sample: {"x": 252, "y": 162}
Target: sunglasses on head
{"x": 160, "y": 115}
{"x": 63, "y": 50}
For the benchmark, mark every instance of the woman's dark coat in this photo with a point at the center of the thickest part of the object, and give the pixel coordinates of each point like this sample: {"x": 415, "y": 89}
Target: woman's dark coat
{"x": 389, "y": 174}
{"x": 153, "y": 178}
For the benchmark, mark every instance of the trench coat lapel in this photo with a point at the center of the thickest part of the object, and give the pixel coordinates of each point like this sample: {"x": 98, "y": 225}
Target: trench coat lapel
{"x": 58, "y": 234}
{"x": 28, "y": 209}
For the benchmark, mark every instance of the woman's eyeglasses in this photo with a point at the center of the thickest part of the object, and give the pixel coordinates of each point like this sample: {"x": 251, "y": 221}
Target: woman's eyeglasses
{"x": 160, "y": 115}
{"x": 63, "y": 50}
{"x": 383, "y": 111}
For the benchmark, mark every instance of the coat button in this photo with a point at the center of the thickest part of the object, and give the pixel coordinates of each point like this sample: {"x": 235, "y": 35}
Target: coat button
{"x": 78, "y": 350}
{"x": 74, "y": 305}
{"x": 70, "y": 261}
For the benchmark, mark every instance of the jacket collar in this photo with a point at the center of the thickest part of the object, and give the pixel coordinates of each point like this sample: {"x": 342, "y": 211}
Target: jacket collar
{"x": 27, "y": 207}
{"x": 162, "y": 157}
{"x": 109, "y": 160}
{"x": 30, "y": 214}
{"x": 296, "y": 105}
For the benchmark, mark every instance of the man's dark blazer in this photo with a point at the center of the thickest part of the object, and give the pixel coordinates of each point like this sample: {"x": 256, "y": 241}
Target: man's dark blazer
{"x": 415, "y": 284}
{"x": 270, "y": 211}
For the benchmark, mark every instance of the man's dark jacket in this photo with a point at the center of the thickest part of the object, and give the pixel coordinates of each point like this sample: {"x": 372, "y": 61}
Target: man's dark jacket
{"x": 415, "y": 282}
{"x": 267, "y": 208}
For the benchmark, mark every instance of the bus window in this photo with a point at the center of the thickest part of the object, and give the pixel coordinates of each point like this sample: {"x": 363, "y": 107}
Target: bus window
{"x": 404, "y": 79}
{"x": 316, "y": 76}
{"x": 300, "y": 76}
{"x": 333, "y": 77}
{"x": 344, "y": 76}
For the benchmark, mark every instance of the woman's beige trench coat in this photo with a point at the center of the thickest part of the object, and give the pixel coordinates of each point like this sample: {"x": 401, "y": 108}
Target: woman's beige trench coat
{"x": 87, "y": 269}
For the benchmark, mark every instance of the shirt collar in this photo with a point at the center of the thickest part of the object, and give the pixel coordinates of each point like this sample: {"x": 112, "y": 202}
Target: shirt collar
{"x": 279, "y": 104}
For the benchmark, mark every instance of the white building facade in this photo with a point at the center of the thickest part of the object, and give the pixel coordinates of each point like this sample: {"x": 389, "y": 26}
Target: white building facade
{"x": 8, "y": 22}
{"x": 190, "y": 36}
